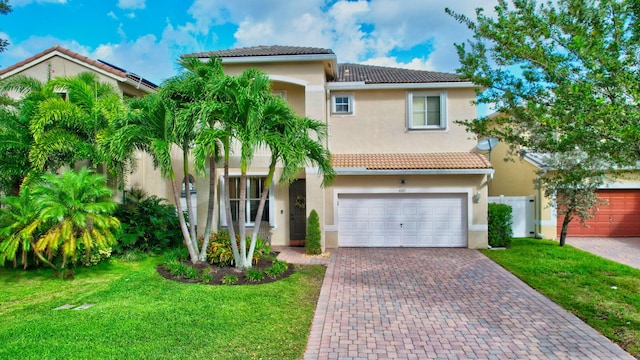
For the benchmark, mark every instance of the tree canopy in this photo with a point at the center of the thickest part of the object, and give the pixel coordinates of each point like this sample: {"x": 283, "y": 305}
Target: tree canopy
{"x": 564, "y": 77}
{"x": 565, "y": 74}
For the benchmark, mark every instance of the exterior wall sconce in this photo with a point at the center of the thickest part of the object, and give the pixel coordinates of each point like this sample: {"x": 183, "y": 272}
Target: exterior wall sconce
{"x": 476, "y": 197}
{"x": 403, "y": 181}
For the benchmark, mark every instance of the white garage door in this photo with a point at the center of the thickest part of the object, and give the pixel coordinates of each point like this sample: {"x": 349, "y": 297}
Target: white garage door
{"x": 402, "y": 220}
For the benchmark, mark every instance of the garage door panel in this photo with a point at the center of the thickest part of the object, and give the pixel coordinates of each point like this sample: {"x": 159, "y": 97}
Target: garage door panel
{"x": 619, "y": 217}
{"x": 410, "y": 220}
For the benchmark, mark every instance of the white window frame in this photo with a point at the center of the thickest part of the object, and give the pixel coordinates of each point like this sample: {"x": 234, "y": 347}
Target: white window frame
{"x": 350, "y": 104}
{"x": 443, "y": 110}
{"x": 271, "y": 201}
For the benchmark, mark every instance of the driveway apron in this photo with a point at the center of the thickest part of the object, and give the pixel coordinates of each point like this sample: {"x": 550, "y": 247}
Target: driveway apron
{"x": 441, "y": 303}
{"x": 623, "y": 250}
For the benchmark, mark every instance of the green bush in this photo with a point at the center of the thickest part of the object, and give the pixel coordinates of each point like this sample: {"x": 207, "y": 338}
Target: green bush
{"x": 276, "y": 269}
{"x": 148, "y": 223}
{"x": 500, "y": 225}
{"x": 254, "y": 275}
{"x": 229, "y": 279}
{"x": 313, "y": 239}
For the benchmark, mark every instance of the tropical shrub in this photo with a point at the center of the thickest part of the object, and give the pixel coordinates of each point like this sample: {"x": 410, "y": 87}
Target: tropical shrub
{"x": 220, "y": 252}
{"x": 75, "y": 211}
{"x": 19, "y": 228}
{"x": 254, "y": 275}
{"x": 277, "y": 268}
{"x": 500, "y": 225}
{"x": 57, "y": 218}
{"x": 313, "y": 239}
{"x": 149, "y": 224}
{"x": 229, "y": 279}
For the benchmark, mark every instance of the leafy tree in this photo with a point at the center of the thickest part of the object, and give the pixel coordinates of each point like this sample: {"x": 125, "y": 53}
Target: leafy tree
{"x": 573, "y": 182}
{"x": 564, "y": 76}
{"x": 75, "y": 210}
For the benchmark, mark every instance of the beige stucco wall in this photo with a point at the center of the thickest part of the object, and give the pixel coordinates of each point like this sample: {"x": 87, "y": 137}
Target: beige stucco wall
{"x": 379, "y": 125}
{"x": 465, "y": 184}
{"x": 60, "y": 67}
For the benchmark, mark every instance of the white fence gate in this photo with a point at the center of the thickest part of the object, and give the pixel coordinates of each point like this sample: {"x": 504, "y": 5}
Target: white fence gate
{"x": 523, "y": 211}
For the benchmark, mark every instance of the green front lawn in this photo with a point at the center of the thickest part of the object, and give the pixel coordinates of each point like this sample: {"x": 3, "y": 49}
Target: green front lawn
{"x": 603, "y": 293}
{"x": 140, "y": 315}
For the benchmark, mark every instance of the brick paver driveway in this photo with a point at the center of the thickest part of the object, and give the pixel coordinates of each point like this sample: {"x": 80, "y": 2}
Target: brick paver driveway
{"x": 441, "y": 303}
{"x": 623, "y": 250}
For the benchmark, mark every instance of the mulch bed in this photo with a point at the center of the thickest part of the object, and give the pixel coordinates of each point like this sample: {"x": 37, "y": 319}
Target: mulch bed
{"x": 218, "y": 273}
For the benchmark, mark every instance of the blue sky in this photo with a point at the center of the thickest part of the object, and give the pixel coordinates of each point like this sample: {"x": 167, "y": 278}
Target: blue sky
{"x": 147, "y": 36}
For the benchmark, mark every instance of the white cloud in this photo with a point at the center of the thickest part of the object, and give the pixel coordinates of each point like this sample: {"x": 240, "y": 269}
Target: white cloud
{"x": 358, "y": 31}
{"x": 131, "y": 4}
{"x": 146, "y": 57}
{"x": 392, "y": 61}
{"x": 112, "y": 15}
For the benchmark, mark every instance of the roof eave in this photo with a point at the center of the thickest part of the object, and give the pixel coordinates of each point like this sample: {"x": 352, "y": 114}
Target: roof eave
{"x": 140, "y": 85}
{"x": 361, "y": 85}
{"x": 365, "y": 171}
{"x": 275, "y": 58}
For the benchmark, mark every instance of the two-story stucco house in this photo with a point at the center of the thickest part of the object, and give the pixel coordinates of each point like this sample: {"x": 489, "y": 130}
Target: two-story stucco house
{"x": 407, "y": 175}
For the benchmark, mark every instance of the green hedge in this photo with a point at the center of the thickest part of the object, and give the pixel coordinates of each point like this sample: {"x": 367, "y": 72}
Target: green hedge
{"x": 500, "y": 225}
{"x": 313, "y": 238}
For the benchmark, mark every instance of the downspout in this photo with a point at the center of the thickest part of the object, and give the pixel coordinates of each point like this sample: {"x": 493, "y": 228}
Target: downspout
{"x": 539, "y": 234}
{"x": 328, "y": 119}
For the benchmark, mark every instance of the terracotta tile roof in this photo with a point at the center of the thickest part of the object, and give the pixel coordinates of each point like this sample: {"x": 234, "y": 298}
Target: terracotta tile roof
{"x": 421, "y": 161}
{"x": 96, "y": 63}
{"x": 262, "y": 50}
{"x": 387, "y": 75}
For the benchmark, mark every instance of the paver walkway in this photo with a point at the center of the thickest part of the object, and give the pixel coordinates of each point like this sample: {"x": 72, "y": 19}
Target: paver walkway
{"x": 623, "y": 250}
{"x": 441, "y": 303}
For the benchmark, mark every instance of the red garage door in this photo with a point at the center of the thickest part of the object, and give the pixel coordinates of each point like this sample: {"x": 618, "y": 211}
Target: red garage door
{"x": 621, "y": 217}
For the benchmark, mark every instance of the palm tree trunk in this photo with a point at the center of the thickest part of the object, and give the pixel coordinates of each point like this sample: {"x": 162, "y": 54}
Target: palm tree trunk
{"x": 227, "y": 203}
{"x": 263, "y": 201}
{"x": 242, "y": 218}
{"x": 210, "y": 207}
{"x": 193, "y": 254}
{"x": 187, "y": 193}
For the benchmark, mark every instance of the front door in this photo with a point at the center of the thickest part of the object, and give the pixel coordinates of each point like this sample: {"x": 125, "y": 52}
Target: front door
{"x": 297, "y": 212}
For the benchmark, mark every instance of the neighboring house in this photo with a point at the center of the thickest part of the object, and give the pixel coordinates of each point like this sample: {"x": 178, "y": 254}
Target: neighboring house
{"x": 534, "y": 214}
{"x": 58, "y": 61}
{"x": 407, "y": 175}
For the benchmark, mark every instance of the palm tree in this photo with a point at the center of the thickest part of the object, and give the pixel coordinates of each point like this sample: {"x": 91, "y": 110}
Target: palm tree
{"x": 19, "y": 228}
{"x": 150, "y": 127}
{"x": 67, "y": 127}
{"x": 16, "y": 139}
{"x": 207, "y": 108}
{"x": 291, "y": 142}
{"x": 242, "y": 98}
{"x": 76, "y": 209}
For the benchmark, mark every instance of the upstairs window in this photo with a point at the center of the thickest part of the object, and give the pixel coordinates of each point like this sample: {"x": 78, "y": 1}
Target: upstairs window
{"x": 426, "y": 110}
{"x": 342, "y": 104}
